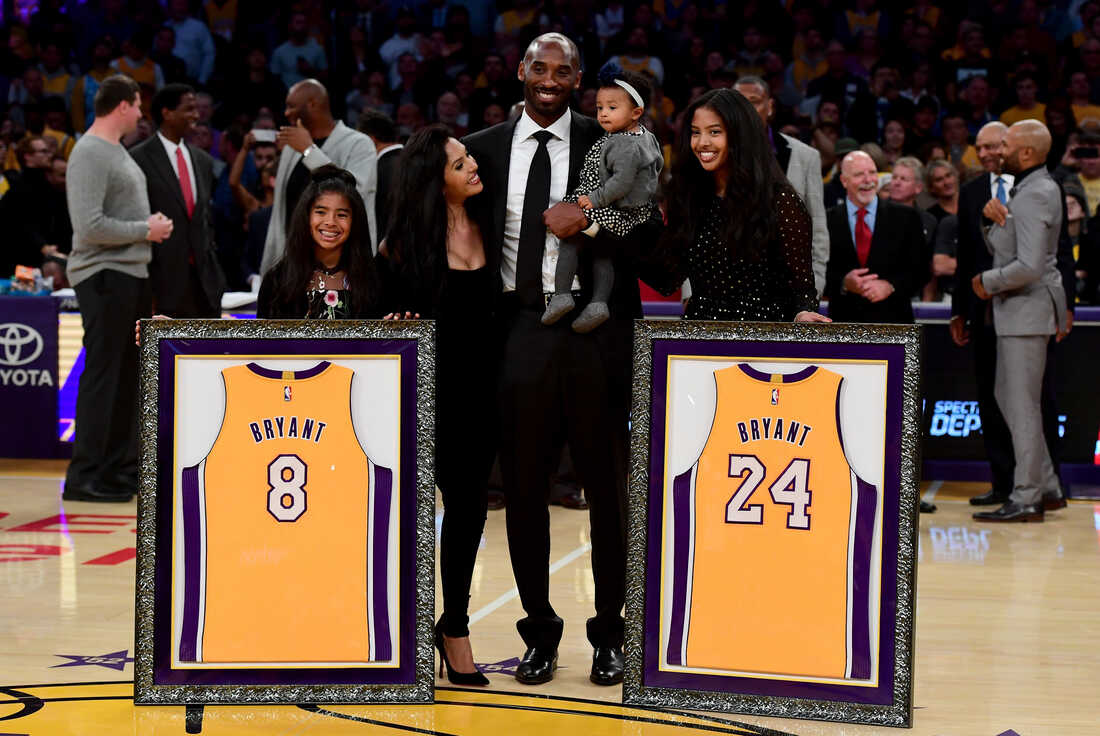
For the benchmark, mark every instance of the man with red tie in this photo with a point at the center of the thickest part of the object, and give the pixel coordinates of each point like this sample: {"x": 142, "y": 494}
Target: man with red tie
{"x": 185, "y": 276}
{"x": 877, "y": 255}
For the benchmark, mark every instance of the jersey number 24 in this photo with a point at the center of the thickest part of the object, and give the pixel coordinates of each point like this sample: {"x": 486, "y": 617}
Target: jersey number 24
{"x": 788, "y": 489}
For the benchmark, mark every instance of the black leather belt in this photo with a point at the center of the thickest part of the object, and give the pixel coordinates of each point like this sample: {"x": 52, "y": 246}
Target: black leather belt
{"x": 511, "y": 299}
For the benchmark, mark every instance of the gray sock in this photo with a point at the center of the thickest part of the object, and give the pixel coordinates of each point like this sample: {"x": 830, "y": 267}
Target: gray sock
{"x": 559, "y": 306}
{"x": 591, "y": 317}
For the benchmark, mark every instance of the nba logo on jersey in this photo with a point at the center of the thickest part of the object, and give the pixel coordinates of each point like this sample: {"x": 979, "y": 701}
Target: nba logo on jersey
{"x": 286, "y": 393}
{"x": 775, "y": 397}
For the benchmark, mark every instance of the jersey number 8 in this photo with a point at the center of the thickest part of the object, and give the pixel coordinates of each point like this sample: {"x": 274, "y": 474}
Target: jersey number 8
{"x": 286, "y": 481}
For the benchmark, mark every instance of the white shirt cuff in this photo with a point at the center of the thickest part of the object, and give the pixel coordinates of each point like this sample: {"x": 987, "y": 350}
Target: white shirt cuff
{"x": 592, "y": 229}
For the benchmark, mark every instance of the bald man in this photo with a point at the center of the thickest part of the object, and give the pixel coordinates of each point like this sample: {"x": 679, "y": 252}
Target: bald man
{"x": 878, "y": 255}
{"x": 556, "y": 383}
{"x": 311, "y": 140}
{"x": 972, "y": 318}
{"x": 1029, "y": 306}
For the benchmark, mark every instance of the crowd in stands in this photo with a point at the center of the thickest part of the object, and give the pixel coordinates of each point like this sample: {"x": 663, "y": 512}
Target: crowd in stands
{"x": 910, "y": 83}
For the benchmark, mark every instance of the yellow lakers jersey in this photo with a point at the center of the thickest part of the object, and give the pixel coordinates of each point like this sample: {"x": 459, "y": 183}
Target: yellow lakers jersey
{"x": 284, "y": 503}
{"x": 772, "y": 535}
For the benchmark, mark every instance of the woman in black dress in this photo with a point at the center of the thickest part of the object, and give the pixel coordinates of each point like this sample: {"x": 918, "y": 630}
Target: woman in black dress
{"x": 328, "y": 269}
{"x": 736, "y": 227}
{"x": 433, "y": 265}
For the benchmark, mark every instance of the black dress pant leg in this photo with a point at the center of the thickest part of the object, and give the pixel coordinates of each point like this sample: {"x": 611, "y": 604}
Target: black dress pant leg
{"x": 995, "y": 433}
{"x": 105, "y": 444}
{"x": 465, "y": 448}
{"x": 530, "y": 429}
{"x": 1050, "y": 408}
{"x": 597, "y": 426}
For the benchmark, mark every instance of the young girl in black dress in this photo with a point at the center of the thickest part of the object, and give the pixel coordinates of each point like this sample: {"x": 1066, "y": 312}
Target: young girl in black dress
{"x": 433, "y": 265}
{"x": 328, "y": 269}
{"x": 736, "y": 227}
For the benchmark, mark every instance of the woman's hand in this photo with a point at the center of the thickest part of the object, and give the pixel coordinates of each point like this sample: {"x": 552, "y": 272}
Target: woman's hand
{"x": 811, "y": 317}
{"x": 137, "y": 328}
{"x": 393, "y": 316}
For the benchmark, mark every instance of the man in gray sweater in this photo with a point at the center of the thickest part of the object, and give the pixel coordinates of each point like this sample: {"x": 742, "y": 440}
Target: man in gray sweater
{"x": 108, "y": 268}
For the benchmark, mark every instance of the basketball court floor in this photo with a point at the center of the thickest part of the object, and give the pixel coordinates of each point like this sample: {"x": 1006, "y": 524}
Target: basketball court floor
{"x": 1008, "y": 634}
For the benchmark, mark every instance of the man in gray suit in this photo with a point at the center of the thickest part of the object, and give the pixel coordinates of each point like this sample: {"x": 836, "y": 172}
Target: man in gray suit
{"x": 801, "y": 164}
{"x": 1029, "y": 305}
{"x": 312, "y": 140}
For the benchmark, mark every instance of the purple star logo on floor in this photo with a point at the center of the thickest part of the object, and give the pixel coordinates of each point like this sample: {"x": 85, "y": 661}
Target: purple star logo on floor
{"x": 503, "y": 667}
{"x": 112, "y": 661}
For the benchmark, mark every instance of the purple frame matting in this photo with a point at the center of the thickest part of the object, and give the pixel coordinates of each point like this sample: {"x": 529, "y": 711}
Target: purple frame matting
{"x": 163, "y": 674}
{"x": 662, "y": 349}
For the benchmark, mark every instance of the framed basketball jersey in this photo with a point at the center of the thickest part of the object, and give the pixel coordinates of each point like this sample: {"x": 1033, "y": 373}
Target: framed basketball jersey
{"x": 283, "y": 523}
{"x": 773, "y": 530}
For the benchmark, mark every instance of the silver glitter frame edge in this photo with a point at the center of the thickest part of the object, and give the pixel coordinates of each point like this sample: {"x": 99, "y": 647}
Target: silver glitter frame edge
{"x": 146, "y": 692}
{"x": 899, "y": 713}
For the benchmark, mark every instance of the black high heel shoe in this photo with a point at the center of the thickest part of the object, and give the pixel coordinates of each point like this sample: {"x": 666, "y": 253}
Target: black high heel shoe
{"x": 453, "y": 676}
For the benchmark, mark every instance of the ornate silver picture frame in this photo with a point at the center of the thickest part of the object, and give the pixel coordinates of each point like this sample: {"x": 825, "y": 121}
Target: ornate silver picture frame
{"x": 797, "y": 604}
{"x": 216, "y": 546}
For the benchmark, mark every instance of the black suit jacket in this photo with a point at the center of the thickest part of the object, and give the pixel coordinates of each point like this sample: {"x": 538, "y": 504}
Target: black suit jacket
{"x": 492, "y": 148}
{"x": 168, "y": 271}
{"x": 897, "y": 255}
{"x": 973, "y": 256}
{"x": 387, "y": 171}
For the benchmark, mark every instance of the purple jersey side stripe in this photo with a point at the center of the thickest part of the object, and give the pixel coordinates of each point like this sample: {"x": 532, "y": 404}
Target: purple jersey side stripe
{"x": 383, "y": 491}
{"x": 861, "y": 579}
{"x": 192, "y": 543}
{"x": 681, "y": 517}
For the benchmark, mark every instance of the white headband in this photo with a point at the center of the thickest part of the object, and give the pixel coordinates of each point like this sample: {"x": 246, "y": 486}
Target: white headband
{"x": 631, "y": 91}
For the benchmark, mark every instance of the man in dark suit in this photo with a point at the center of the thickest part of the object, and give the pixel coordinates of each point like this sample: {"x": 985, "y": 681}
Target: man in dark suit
{"x": 382, "y": 130}
{"x": 557, "y": 384}
{"x": 972, "y": 318}
{"x": 877, "y": 250}
{"x": 185, "y": 276}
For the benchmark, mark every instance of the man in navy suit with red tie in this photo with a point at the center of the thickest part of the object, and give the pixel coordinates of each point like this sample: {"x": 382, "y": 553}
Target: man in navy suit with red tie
{"x": 185, "y": 276}
{"x": 877, "y": 256}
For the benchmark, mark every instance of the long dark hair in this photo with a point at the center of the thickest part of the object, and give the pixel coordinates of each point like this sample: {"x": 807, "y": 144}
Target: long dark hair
{"x": 293, "y": 272}
{"x": 748, "y": 210}
{"x": 416, "y": 241}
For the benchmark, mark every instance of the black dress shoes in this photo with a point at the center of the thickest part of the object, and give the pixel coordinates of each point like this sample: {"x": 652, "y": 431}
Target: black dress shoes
{"x": 989, "y": 498}
{"x": 496, "y": 499}
{"x": 574, "y": 499}
{"x": 1012, "y": 512}
{"x": 1053, "y": 502}
{"x": 607, "y": 666}
{"x": 89, "y": 492}
{"x": 927, "y": 507}
{"x": 537, "y": 666}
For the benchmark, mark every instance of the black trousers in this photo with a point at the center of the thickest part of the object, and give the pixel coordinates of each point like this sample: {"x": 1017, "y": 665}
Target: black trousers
{"x": 465, "y": 444}
{"x": 558, "y": 386}
{"x": 194, "y": 303}
{"x": 105, "y": 444}
{"x": 995, "y": 434}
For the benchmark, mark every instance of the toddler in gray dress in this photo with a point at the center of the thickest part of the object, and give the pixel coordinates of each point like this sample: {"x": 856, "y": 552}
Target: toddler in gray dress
{"x": 617, "y": 189}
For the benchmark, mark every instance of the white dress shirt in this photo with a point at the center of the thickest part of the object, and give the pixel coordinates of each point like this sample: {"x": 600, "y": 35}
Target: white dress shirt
{"x": 170, "y": 149}
{"x": 523, "y": 151}
{"x": 1009, "y": 180}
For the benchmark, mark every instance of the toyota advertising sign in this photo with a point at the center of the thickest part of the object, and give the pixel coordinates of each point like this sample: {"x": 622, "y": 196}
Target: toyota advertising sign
{"x": 28, "y": 377}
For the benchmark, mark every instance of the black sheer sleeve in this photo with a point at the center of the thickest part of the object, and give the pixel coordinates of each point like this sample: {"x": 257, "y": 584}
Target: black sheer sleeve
{"x": 794, "y": 254}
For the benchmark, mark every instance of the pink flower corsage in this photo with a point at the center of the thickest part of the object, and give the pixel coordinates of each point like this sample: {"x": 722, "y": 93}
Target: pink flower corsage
{"x": 332, "y": 299}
